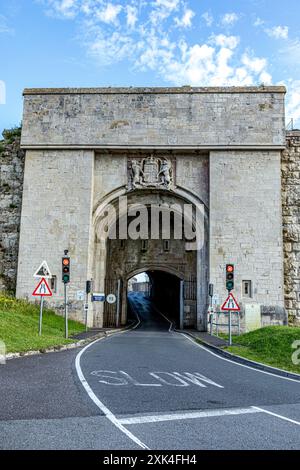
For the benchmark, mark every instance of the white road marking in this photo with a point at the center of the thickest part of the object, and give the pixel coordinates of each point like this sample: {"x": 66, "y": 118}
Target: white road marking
{"x": 173, "y": 379}
{"x": 135, "y": 382}
{"x": 188, "y": 415}
{"x": 236, "y": 363}
{"x": 171, "y": 323}
{"x": 109, "y": 415}
{"x": 262, "y": 410}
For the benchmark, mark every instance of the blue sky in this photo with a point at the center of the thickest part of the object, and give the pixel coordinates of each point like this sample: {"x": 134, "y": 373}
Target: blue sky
{"x": 62, "y": 43}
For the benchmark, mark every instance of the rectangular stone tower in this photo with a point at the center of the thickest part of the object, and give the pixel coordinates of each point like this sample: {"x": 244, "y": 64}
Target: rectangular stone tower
{"x": 226, "y": 143}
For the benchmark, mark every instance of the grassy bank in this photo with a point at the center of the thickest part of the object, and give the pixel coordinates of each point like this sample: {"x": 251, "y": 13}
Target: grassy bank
{"x": 19, "y": 326}
{"x": 270, "y": 345}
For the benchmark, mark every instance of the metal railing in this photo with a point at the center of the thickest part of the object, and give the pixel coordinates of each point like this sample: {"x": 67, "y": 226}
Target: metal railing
{"x": 213, "y": 321}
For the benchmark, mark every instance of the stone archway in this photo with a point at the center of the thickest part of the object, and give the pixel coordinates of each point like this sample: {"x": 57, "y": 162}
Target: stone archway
{"x": 117, "y": 259}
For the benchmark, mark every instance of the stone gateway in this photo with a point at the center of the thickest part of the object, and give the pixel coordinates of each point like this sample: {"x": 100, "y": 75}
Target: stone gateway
{"x": 216, "y": 151}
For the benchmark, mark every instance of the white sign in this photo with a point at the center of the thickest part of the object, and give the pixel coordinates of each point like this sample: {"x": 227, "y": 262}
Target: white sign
{"x": 42, "y": 289}
{"x": 111, "y": 298}
{"x": 230, "y": 304}
{"x": 215, "y": 300}
{"x": 43, "y": 271}
{"x": 80, "y": 295}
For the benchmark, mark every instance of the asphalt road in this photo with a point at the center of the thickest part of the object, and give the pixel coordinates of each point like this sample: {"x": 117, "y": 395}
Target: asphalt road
{"x": 146, "y": 388}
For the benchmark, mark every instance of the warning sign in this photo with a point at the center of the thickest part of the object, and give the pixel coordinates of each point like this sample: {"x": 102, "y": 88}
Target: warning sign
{"x": 42, "y": 289}
{"x": 43, "y": 271}
{"x": 231, "y": 304}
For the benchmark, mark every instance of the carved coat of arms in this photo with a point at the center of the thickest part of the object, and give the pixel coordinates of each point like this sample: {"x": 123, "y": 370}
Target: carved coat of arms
{"x": 150, "y": 172}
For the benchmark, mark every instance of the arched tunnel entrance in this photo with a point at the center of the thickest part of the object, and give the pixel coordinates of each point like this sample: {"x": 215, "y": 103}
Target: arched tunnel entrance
{"x": 162, "y": 291}
{"x": 155, "y": 232}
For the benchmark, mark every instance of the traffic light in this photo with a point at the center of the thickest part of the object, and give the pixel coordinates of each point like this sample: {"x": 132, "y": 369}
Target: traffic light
{"x": 66, "y": 269}
{"x": 229, "y": 277}
{"x": 88, "y": 287}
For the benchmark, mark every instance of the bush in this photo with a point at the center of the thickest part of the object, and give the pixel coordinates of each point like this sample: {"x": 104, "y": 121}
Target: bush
{"x": 10, "y": 135}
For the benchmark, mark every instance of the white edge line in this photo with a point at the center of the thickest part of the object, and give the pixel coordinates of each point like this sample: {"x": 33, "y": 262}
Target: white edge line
{"x": 262, "y": 410}
{"x": 158, "y": 311}
{"x": 234, "y": 362}
{"x": 188, "y": 415}
{"x": 108, "y": 414}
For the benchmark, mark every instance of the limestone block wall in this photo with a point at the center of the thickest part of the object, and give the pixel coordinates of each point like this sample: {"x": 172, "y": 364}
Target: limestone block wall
{"x": 246, "y": 227}
{"x": 56, "y": 215}
{"x": 192, "y": 174}
{"x": 290, "y": 168}
{"x": 153, "y": 117}
{"x": 11, "y": 186}
{"x": 110, "y": 173}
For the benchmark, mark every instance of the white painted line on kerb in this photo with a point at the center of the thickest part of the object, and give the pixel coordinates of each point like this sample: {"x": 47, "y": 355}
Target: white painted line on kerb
{"x": 188, "y": 415}
{"x": 108, "y": 414}
{"x": 254, "y": 369}
{"x": 262, "y": 410}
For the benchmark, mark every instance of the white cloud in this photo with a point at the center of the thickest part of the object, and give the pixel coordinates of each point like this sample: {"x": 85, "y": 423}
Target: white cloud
{"x": 144, "y": 33}
{"x": 107, "y": 50}
{"x": 186, "y": 20}
{"x": 278, "y": 32}
{"x": 229, "y": 19}
{"x": 293, "y": 101}
{"x": 64, "y": 8}
{"x": 109, "y": 13}
{"x": 132, "y": 16}
{"x": 258, "y": 22}
{"x": 167, "y": 4}
{"x": 2, "y": 92}
{"x": 226, "y": 41}
{"x": 162, "y": 9}
{"x": 254, "y": 64}
{"x": 4, "y": 27}
{"x": 208, "y": 18}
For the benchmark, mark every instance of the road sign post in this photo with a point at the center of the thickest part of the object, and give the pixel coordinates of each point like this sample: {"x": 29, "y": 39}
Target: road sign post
{"x": 88, "y": 288}
{"x": 42, "y": 290}
{"x": 229, "y": 329}
{"x": 230, "y": 305}
{"x": 118, "y": 303}
{"x": 41, "y": 315}
{"x": 181, "y": 304}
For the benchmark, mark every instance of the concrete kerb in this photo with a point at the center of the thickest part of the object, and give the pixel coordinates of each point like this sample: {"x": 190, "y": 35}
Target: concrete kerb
{"x": 66, "y": 347}
{"x": 242, "y": 360}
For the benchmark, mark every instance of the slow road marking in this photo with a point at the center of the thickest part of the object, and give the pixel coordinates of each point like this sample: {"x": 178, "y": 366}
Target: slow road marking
{"x": 162, "y": 378}
{"x": 109, "y": 415}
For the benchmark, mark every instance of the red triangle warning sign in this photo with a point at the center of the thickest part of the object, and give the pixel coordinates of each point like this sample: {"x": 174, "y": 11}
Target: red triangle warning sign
{"x": 42, "y": 289}
{"x": 230, "y": 304}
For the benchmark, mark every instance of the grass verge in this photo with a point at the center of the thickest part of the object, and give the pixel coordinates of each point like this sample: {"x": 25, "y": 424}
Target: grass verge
{"x": 272, "y": 345}
{"x": 19, "y": 322}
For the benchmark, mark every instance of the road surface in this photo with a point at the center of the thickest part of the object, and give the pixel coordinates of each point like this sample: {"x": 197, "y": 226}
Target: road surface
{"x": 148, "y": 388}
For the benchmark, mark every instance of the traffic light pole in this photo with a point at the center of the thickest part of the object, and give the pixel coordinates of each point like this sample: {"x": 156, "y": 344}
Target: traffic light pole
{"x": 66, "y": 312}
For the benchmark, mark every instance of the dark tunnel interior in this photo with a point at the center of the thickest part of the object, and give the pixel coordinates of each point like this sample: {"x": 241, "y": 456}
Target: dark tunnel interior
{"x": 164, "y": 292}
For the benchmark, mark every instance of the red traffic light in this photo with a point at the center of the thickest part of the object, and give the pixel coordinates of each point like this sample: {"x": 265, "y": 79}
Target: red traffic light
{"x": 229, "y": 268}
{"x": 66, "y": 261}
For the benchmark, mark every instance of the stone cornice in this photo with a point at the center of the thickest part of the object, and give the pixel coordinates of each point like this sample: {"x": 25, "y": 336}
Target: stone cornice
{"x": 153, "y": 90}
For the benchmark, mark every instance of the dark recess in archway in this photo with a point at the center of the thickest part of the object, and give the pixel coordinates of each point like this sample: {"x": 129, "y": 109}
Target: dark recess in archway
{"x": 164, "y": 292}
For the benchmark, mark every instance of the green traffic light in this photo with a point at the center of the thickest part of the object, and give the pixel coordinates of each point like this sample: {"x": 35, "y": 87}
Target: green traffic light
{"x": 229, "y": 285}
